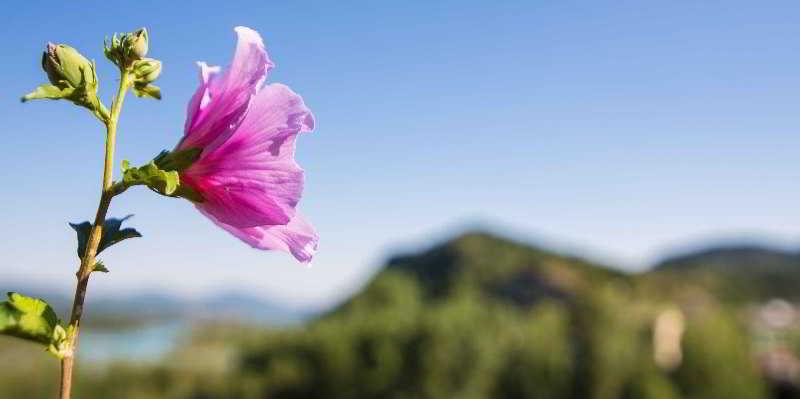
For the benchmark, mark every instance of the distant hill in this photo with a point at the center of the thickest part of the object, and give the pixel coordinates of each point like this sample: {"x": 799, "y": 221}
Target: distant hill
{"x": 511, "y": 271}
{"x": 759, "y": 270}
{"x": 497, "y": 268}
{"x": 734, "y": 259}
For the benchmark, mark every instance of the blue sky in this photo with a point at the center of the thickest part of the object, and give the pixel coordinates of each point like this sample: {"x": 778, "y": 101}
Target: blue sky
{"x": 617, "y": 129}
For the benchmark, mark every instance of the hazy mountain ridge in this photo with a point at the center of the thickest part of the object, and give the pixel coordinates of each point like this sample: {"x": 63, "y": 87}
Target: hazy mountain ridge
{"x": 150, "y": 306}
{"x": 523, "y": 272}
{"x": 501, "y": 267}
{"x": 756, "y": 270}
{"x": 733, "y": 258}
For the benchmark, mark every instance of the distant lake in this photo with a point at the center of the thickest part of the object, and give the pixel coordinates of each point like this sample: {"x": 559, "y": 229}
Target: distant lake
{"x": 147, "y": 343}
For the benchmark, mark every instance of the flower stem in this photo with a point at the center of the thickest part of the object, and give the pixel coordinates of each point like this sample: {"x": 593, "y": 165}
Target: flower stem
{"x": 88, "y": 259}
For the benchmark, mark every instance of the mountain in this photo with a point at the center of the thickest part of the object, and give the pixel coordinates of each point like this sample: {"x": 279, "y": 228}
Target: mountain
{"x": 756, "y": 270}
{"x": 734, "y": 259}
{"x": 501, "y": 268}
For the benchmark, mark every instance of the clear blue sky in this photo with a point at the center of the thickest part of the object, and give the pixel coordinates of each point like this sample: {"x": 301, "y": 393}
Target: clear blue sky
{"x": 619, "y": 128}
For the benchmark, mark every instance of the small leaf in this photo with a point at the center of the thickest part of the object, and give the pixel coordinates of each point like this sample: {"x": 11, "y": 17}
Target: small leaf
{"x": 148, "y": 91}
{"x": 59, "y": 342}
{"x": 48, "y": 91}
{"x": 162, "y": 181}
{"x": 99, "y": 267}
{"x": 161, "y": 174}
{"x": 112, "y": 234}
{"x": 28, "y": 318}
{"x": 83, "y": 230}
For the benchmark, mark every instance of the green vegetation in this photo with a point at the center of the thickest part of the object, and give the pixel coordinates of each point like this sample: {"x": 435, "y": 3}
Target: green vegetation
{"x": 477, "y": 317}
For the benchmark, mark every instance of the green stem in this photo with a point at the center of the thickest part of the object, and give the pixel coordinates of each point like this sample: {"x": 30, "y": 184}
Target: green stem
{"x": 100, "y": 110}
{"x": 88, "y": 259}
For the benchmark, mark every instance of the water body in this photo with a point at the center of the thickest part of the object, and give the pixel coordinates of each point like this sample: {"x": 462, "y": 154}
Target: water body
{"x": 148, "y": 343}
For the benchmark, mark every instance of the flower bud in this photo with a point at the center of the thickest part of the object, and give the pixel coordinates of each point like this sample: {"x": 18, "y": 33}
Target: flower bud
{"x": 146, "y": 70}
{"x": 136, "y": 44}
{"x": 66, "y": 67}
{"x": 125, "y": 49}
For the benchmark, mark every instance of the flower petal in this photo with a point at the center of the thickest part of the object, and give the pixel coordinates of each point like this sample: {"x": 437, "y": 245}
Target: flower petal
{"x": 220, "y": 103}
{"x": 201, "y": 97}
{"x": 275, "y": 115}
{"x": 248, "y": 197}
{"x": 251, "y": 179}
{"x": 297, "y": 237}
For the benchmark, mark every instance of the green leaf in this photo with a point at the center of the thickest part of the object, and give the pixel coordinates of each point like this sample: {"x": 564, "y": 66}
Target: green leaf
{"x": 161, "y": 174}
{"x": 112, "y": 234}
{"x": 59, "y": 343}
{"x": 99, "y": 267}
{"x": 147, "y": 91}
{"x": 83, "y": 230}
{"x": 28, "y": 318}
{"x": 162, "y": 181}
{"x": 48, "y": 91}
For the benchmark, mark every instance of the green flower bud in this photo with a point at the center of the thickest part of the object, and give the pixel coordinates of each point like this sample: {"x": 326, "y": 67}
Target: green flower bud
{"x": 66, "y": 67}
{"x": 146, "y": 70}
{"x": 72, "y": 78}
{"x": 124, "y": 49}
{"x": 136, "y": 44}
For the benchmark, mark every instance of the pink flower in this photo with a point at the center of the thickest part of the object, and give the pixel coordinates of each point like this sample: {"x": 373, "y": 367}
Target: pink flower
{"x": 246, "y": 172}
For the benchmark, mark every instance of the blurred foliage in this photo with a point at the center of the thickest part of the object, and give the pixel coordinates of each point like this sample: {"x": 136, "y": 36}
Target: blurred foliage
{"x": 477, "y": 317}
{"x": 717, "y": 361}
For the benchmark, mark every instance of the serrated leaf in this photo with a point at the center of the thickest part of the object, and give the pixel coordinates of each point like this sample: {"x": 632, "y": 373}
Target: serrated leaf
{"x": 148, "y": 91}
{"x": 83, "y": 230}
{"x": 32, "y": 305}
{"x": 162, "y": 181}
{"x": 112, "y": 234}
{"x": 28, "y": 318}
{"x": 99, "y": 267}
{"x": 48, "y": 91}
{"x": 161, "y": 174}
